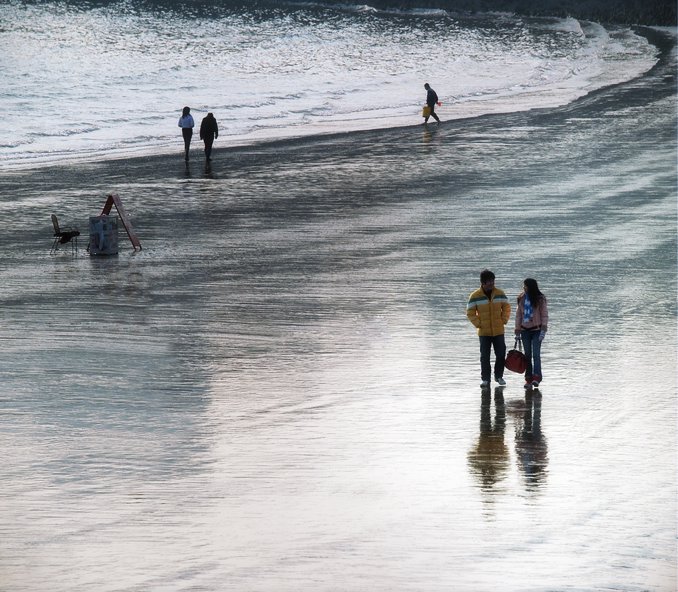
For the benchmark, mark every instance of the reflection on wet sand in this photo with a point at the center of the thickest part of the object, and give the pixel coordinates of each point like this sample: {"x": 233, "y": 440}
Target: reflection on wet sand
{"x": 531, "y": 447}
{"x": 277, "y": 391}
{"x": 489, "y": 459}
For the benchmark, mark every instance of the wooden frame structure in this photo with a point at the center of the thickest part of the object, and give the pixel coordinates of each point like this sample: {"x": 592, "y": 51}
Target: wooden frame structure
{"x": 114, "y": 200}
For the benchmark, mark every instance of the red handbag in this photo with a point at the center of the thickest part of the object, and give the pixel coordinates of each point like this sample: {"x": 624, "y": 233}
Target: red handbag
{"x": 516, "y": 361}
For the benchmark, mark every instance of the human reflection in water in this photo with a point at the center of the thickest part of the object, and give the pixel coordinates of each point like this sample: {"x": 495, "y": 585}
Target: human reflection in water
{"x": 531, "y": 447}
{"x": 431, "y": 135}
{"x": 208, "y": 174}
{"x": 488, "y": 460}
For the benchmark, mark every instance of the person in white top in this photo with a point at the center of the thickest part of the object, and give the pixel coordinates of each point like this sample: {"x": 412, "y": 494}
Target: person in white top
{"x": 186, "y": 124}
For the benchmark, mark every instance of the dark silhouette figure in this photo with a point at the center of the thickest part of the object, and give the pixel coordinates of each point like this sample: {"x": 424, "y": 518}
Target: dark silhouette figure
{"x": 186, "y": 124}
{"x": 209, "y": 131}
{"x": 431, "y": 101}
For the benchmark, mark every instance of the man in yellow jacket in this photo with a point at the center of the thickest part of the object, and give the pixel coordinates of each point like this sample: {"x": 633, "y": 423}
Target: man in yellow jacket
{"x": 489, "y": 310}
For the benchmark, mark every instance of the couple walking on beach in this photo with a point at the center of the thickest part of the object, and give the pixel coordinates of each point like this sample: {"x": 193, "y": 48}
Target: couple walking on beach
{"x": 209, "y": 131}
{"x": 489, "y": 310}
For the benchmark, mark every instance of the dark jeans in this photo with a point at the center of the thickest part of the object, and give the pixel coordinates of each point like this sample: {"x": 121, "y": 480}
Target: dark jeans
{"x": 187, "y": 132}
{"x": 532, "y": 347}
{"x": 433, "y": 112}
{"x": 208, "y": 147}
{"x": 486, "y": 344}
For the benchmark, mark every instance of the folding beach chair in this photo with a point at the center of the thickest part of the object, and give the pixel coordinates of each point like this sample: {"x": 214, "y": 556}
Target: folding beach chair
{"x": 63, "y": 236}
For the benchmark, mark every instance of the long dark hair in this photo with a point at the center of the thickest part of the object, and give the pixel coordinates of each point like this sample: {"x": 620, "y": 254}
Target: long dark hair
{"x": 533, "y": 291}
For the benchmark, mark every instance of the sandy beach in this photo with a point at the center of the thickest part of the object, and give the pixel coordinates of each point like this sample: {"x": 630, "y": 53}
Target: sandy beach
{"x": 280, "y": 390}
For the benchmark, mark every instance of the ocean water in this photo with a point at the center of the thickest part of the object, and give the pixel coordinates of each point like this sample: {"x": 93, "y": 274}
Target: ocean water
{"x": 102, "y": 79}
{"x": 279, "y": 392}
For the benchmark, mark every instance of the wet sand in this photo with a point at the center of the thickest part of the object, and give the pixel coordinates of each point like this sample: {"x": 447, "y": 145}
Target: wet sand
{"x": 280, "y": 391}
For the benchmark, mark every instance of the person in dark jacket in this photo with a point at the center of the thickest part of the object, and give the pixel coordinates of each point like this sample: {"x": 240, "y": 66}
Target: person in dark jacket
{"x": 431, "y": 101}
{"x": 209, "y": 131}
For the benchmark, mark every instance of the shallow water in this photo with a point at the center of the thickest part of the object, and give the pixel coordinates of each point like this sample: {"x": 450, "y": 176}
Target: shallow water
{"x": 102, "y": 79}
{"x": 280, "y": 391}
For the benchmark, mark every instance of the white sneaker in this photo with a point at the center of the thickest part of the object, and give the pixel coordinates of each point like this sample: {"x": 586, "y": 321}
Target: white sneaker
{"x": 484, "y": 384}
{"x": 500, "y": 381}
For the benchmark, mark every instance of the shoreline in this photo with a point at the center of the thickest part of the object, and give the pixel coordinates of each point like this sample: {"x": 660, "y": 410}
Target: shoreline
{"x": 281, "y": 389}
{"x": 627, "y": 12}
{"x": 662, "y": 39}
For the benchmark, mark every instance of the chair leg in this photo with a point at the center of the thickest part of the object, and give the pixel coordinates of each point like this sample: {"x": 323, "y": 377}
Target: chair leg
{"x": 57, "y": 242}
